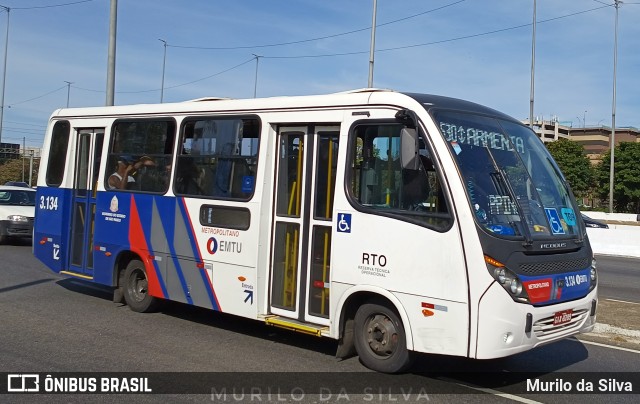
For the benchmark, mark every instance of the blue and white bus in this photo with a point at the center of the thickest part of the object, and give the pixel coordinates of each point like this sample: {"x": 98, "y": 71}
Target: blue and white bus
{"x": 395, "y": 223}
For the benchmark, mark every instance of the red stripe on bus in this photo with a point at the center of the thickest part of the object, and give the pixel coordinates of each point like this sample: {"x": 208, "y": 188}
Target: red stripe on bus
{"x": 138, "y": 243}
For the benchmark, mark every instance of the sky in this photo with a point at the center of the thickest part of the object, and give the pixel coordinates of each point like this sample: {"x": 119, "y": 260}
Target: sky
{"x": 477, "y": 50}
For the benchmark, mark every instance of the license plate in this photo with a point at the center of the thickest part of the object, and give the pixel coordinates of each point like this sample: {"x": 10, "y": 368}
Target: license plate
{"x": 562, "y": 317}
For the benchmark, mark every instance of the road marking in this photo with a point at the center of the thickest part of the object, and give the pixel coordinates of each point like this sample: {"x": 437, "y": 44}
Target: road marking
{"x": 500, "y": 394}
{"x": 621, "y": 301}
{"x": 605, "y": 345}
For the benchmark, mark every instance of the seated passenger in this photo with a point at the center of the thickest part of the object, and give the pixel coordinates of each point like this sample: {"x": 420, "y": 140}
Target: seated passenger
{"x": 121, "y": 178}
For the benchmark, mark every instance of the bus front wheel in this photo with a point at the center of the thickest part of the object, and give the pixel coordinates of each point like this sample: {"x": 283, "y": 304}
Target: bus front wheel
{"x": 380, "y": 339}
{"x": 136, "y": 288}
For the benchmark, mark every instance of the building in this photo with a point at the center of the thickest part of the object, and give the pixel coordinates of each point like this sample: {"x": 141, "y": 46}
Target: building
{"x": 595, "y": 139}
{"x": 549, "y": 131}
{"x": 9, "y": 151}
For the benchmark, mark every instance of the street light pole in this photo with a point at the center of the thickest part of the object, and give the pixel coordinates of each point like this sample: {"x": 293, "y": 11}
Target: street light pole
{"x": 612, "y": 141}
{"x": 164, "y": 61}
{"x": 68, "y": 91}
{"x": 255, "y": 82}
{"x": 4, "y": 71}
{"x": 533, "y": 65}
{"x": 111, "y": 55}
{"x": 373, "y": 44}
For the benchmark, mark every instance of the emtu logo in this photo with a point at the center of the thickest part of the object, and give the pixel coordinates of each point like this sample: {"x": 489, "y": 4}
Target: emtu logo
{"x": 212, "y": 245}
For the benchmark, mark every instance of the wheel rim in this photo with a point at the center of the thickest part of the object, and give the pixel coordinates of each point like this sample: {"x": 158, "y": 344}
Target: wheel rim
{"x": 381, "y": 335}
{"x": 138, "y": 285}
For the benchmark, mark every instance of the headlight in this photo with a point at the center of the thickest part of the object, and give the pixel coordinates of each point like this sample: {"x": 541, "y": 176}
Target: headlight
{"x": 18, "y": 218}
{"x": 594, "y": 273}
{"x": 516, "y": 287}
{"x": 507, "y": 279}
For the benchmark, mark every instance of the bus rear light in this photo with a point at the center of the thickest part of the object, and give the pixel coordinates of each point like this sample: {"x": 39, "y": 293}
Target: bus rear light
{"x": 200, "y": 265}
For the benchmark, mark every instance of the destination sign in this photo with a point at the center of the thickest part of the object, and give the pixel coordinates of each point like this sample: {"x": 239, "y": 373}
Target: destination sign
{"x": 479, "y": 137}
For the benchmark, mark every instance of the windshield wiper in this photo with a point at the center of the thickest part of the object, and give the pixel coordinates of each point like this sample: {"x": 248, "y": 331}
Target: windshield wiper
{"x": 501, "y": 177}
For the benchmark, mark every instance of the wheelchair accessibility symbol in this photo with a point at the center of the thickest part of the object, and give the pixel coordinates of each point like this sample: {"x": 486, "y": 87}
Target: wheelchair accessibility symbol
{"x": 344, "y": 222}
{"x": 554, "y": 220}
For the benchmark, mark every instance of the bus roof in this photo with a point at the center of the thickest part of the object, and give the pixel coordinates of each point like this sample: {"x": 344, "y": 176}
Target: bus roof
{"x": 362, "y": 96}
{"x": 441, "y": 102}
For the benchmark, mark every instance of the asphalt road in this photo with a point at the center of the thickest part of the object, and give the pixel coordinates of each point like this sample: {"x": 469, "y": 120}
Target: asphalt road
{"x": 49, "y": 324}
{"x": 619, "y": 278}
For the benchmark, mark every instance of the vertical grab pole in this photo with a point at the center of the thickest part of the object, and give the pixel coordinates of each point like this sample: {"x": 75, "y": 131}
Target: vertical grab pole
{"x": 325, "y": 261}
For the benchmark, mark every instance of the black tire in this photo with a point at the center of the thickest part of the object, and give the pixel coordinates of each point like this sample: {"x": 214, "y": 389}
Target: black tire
{"x": 380, "y": 339}
{"x": 136, "y": 293}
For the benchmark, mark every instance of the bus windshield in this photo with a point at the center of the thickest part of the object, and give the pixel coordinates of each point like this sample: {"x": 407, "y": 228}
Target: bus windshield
{"x": 514, "y": 187}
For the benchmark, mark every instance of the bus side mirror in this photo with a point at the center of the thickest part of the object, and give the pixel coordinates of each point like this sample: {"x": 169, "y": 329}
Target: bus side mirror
{"x": 409, "y": 149}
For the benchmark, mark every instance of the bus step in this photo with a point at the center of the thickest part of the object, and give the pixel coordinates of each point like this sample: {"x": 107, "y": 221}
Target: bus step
{"x": 76, "y": 274}
{"x": 294, "y": 325}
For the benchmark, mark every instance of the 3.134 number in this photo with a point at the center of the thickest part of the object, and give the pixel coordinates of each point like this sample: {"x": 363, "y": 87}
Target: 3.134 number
{"x": 49, "y": 202}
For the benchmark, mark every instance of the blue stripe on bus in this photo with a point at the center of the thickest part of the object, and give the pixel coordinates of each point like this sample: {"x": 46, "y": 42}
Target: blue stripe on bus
{"x": 168, "y": 224}
{"x": 183, "y": 281}
{"x": 189, "y": 225}
{"x": 165, "y": 293}
{"x": 158, "y": 201}
{"x": 209, "y": 286}
{"x": 196, "y": 253}
{"x": 152, "y": 251}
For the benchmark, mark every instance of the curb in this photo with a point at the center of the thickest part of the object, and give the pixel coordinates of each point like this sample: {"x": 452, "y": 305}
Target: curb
{"x": 609, "y": 330}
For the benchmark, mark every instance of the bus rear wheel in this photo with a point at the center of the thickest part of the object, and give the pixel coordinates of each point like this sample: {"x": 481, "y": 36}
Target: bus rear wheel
{"x": 136, "y": 288}
{"x": 380, "y": 339}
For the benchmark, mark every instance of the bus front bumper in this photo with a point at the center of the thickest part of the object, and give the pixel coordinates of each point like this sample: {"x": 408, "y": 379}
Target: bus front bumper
{"x": 506, "y": 328}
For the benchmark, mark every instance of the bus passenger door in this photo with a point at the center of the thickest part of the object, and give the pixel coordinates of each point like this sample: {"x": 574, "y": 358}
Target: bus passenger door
{"x": 301, "y": 249}
{"x": 87, "y": 165}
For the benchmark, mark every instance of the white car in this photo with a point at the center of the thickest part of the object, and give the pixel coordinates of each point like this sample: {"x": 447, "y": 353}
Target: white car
{"x": 17, "y": 209}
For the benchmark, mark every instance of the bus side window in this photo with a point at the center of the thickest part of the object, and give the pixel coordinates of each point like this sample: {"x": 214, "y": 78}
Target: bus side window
{"x": 218, "y": 158}
{"x": 379, "y": 183}
{"x": 140, "y": 155}
{"x": 57, "y": 153}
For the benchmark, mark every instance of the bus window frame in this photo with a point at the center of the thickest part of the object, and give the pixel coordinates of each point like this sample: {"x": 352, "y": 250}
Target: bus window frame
{"x": 229, "y": 210}
{"x": 54, "y": 156}
{"x": 394, "y": 214}
{"x": 179, "y": 153}
{"x": 110, "y": 153}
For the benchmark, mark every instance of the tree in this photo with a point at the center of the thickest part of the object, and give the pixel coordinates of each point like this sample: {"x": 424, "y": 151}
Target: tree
{"x": 11, "y": 170}
{"x": 575, "y": 165}
{"x": 626, "y": 181}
